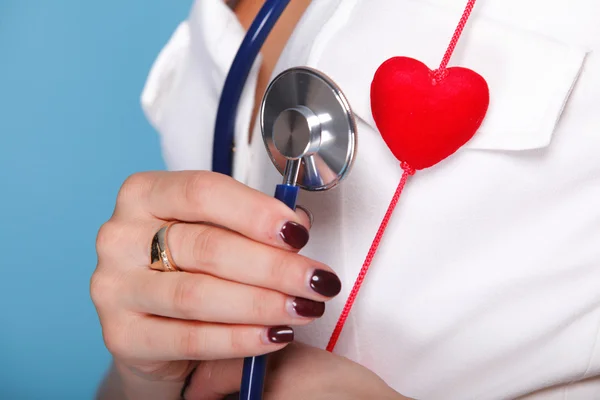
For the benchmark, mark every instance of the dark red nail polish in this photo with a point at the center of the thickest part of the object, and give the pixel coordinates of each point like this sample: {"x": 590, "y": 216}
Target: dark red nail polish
{"x": 294, "y": 234}
{"x": 280, "y": 334}
{"x": 325, "y": 283}
{"x": 308, "y": 308}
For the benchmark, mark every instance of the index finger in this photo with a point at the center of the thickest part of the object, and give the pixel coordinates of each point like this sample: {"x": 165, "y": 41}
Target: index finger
{"x": 201, "y": 196}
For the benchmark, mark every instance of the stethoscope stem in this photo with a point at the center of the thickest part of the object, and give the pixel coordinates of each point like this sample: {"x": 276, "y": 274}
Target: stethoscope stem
{"x": 288, "y": 194}
{"x": 253, "y": 378}
{"x": 255, "y": 368}
{"x": 291, "y": 172}
{"x": 305, "y": 120}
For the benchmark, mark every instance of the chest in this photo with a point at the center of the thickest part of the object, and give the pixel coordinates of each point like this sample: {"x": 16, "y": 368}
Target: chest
{"x": 535, "y": 156}
{"x": 472, "y": 278}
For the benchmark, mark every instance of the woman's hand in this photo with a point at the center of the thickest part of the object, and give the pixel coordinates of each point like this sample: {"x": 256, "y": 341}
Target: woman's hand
{"x": 241, "y": 290}
{"x": 298, "y": 372}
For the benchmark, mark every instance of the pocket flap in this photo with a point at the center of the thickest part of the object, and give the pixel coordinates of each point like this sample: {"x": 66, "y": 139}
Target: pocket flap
{"x": 530, "y": 76}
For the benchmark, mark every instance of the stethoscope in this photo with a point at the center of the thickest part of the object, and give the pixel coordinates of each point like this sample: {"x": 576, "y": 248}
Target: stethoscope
{"x": 308, "y": 129}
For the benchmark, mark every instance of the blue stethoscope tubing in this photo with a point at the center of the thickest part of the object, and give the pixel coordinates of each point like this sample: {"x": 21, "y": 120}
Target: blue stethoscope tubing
{"x": 254, "y": 369}
{"x": 235, "y": 82}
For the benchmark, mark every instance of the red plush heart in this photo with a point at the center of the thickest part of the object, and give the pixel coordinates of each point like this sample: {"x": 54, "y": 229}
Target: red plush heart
{"x": 424, "y": 117}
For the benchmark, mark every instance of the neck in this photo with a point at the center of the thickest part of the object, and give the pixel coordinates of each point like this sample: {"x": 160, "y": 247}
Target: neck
{"x": 246, "y": 11}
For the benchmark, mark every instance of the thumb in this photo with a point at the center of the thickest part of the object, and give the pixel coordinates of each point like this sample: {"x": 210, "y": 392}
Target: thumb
{"x": 214, "y": 380}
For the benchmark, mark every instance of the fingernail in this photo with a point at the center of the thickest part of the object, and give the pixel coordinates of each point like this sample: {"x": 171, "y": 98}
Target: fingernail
{"x": 325, "y": 283}
{"x": 307, "y": 308}
{"x": 280, "y": 334}
{"x": 311, "y": 217}
{"x": 294, "y": 234}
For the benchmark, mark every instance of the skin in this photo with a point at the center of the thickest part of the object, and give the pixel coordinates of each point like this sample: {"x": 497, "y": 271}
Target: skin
{"x": 238, "y": 278}
{"x": 298, "y": 372}
{"x": 246, "y": 10}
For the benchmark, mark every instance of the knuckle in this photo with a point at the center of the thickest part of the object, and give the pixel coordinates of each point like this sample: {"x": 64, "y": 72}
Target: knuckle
{"x": 116, "y": 340}
{"x": 279, "y": 269}
{"x": 262, "y": 306}
{"x": 108, "y": 238}
{"x": 240, "y": 341}
{"x": 134, "y": 187}
{"x": 102, "y": 288}
{"x": 188, "y": 294}
{"x": 193, "y": 343}
{"x": 205, "y": 244}
{"x": 199, "y": 186}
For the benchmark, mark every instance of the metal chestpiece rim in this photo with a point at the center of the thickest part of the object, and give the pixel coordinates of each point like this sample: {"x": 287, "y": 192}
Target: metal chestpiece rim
{"x": 306, "y": 119}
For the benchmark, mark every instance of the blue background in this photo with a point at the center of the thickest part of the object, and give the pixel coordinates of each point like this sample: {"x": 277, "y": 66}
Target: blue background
{"x": 72, "y": 130}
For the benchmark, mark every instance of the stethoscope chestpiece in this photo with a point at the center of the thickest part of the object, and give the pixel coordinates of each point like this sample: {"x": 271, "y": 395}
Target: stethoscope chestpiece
{"x": 308, "y": 128}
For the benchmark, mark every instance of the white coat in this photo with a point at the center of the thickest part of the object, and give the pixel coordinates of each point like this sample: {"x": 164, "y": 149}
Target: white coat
{"x": 487, "y": 282}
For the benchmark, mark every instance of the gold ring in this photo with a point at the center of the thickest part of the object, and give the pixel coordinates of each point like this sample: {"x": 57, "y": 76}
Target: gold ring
{"x": 160, "y": 256}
